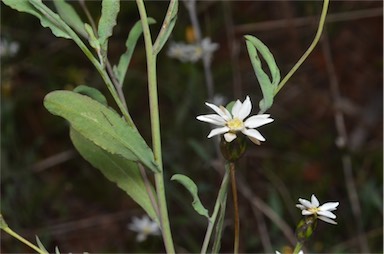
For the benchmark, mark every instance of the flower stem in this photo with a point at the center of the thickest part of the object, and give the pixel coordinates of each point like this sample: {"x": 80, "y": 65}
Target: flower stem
{"x": 212, "y": 219}
{"x": 236, "y": 207}
{"x": 297, "y": 248}
{"x": 309, "y": 50}
{"x": 155, "y": 127}
{"x": 23, "y": 240}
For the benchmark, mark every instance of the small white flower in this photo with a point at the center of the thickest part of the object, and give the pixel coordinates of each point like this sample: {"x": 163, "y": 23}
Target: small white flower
{"x": 144, "y": 227}
{"x": 322, "y": 212}
{"x": 192, "y": 52}
{"x": 232, "y": 123}
{"x": 8, "y": 48}
{"x": 300, "y": 252}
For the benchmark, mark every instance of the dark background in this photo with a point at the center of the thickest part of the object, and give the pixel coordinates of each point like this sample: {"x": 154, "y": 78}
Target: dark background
{"x": 48, "y": 190}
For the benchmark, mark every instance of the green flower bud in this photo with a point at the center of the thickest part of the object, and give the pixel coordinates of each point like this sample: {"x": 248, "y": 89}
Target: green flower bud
{"x": 305, "y": 228}
{"x": 232, "y": 151}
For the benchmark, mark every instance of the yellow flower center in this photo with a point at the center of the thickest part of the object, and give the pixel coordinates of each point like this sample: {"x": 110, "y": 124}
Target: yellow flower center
{"x": 314, "y": 210}
{"x": 235, "y": 124}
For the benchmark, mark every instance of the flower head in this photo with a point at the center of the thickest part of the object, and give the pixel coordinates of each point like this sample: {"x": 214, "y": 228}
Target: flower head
{"x": 233, "y": 122}
{"x": 322, "y": 212}
{"x": 144, "y": 227}
{"x": 192, "y": 52}
{"x": 278, "y": 252}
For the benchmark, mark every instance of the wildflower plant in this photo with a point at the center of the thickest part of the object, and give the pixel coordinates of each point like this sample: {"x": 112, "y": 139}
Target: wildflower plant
{"x": 111, "y": 141}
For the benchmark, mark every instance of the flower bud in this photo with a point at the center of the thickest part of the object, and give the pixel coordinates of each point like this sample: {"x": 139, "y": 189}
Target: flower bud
{"x": 305, "y": 228}
{"x": 232, "y": 151}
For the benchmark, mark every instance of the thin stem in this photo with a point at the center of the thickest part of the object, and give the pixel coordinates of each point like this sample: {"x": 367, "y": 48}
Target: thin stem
{"x": 23, "y": 240}
{"x": 235, "y": 206}
{"x": 212, "y": 219}
{"x": 297, "y": 248}
{"x": 88, "y": 14}
{"x": 309, "y": 50}
{"x": 155, "y": 127}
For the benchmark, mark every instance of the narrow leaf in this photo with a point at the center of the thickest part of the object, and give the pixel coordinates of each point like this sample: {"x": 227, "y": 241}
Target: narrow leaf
{"x": 219, "y": 226}
{"x": 109, "y": 11}
{"x": 125, "y": 58}
{"x": 101, "y": 125}
{"x": 40, "y": 245}
{"x": 167, "y": 27}
{"x": 93, "y": 41}
{"x": 267, "y": 86}
{"x": 91, "y": 92}
{"x": 69, "y": 15}
{"x": 57, "y": 251}
{"x": 192, "y": 188}
{"x": 45, "y": 20}
{"x": 125, "y": 173}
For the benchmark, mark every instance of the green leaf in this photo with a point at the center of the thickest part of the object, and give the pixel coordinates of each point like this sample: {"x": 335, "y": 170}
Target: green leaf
{"x": 57, "y": 251}
{"x": 32, "y": 7}
{"x": 125, "y": 58}
{"x": 192, "y": 188}
{"x": 93, "y": 41}
{"x": 109, "y": 11}
{"x": 101, "y": 125}
{"x": 40, "y": 245}
{"x": 91, "y": 92}
{"x": 125, "y": 173}
{"x": 167, "y": 27}
{"x": 219, "y": 226}
{"x": 267, "y": 86}
{"x": 69, "y": 15}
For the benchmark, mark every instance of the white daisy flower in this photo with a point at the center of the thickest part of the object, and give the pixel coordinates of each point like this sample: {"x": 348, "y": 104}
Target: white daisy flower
{"x": 144, "y": 227}
{"x": 322, "y": 212}
{"x": 233, "y": 122}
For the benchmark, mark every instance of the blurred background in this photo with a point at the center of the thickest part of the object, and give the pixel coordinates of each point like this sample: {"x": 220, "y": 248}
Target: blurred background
{"x": 326, "y": 138}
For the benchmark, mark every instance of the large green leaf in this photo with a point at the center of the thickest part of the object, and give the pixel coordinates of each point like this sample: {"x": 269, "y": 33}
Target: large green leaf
{"x": 101, "y": 125}
{"x": 32, "y": 7}
{"x": 267, "y": 86}
{"x": 125, "y": 173}
{"x": 91, "y": 92}
{"x": 109, "y": 11}
{"x": 192, "y": 188}
{"x": 125, "y": 58}
{"x": 69, "y": 15}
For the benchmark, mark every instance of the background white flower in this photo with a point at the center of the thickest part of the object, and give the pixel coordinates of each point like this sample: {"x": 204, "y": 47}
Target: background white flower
{"x": 232, "y": 123}
{"x": 144, "y": 227}
{"x": 300, "y": 252}
{"x": 192, "y": 52}
{"x": 322, "y": 212}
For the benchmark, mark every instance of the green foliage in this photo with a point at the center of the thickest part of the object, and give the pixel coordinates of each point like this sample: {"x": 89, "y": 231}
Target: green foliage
{"x": 121, "y": 69}
{"x": 109, "y": 11}
{"x": 267, "y": 86}
{"x": 91, "y": 92}
{"x": 36, "y": 8}
{"x": 101, "y": 125}
{"x": 41, "y": 246}
{"x": 93, "y": 41}
{"x": 192, "y": 188}
{"x": 125, "y": 173}
{"x": 70, "y": 16}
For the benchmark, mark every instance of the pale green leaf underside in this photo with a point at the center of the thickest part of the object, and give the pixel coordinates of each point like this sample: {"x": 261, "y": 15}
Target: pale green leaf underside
{"x": 101, "y": 125}
{"x": 267, "y": 86}
{"x": 115, "y": 168}
{"x": 192, "y": 188}
{"x": 91, "y": 92}
{"x": 69, "y": 15}
{"x": 109, "y": 11}
{"x": 32, "y": 7}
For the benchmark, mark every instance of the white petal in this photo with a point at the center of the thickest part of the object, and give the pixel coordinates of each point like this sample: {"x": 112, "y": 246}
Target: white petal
{"x": 306, "y": 212}
{"x": 301, "y": 207}
{"x": 315, "y": 201}
{"x": 330, "y": 206}
{"x": 212, "y": 118}
{"x": 229, "y": 137}
{"x": 257, "y": 121}
{"x": 327, "y": 214}
{"x": 277, "y": 252}
{"x": 236, "y": 107}
{"x": 223, "y": 112}
{"x": 141, "y": 237}
{"x": 305, "y": 203}
{"x": 245, "y": 109}
{"x": 218, "y": 131}
{"x": 253, "y": 133}
{"x": 327, "y": 220}
{"x": 301, "y": 252}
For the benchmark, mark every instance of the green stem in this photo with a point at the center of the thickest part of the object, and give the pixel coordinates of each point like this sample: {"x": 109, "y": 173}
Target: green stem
{"x": 212, "y": 219}
{"x": 297, "y": 248}
{"x": 309, "y": 50}
{"x": 23, "y": 240}
{"x": 155, "y": 127}
{"x": 236, "y": 208}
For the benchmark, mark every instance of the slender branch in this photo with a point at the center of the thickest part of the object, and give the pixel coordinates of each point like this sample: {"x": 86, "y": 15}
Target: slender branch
{"x": 309, "y": 50}
{"x": 236, "y": 207}
{"x": 297, "y": 248}
{"x": 88, "y": 14}
{"x": 155, "y": 127}
{"x": 23, "y": 240}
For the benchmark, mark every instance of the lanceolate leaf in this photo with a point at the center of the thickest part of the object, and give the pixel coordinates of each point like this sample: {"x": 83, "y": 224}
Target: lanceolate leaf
{"x": 69, "y": 15}
{"x": 40, "y": 245}
{"x": 109, "y": 11}
{"x": 28, "y": 7}
{"x": 115, "y": 168}
{"x": 267, "y": 86}
{"x": 91, "y": 92}
{"x": 101, "y": 125}
{"x": 192, "y": 188}
{"x": 125, "y": 58}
